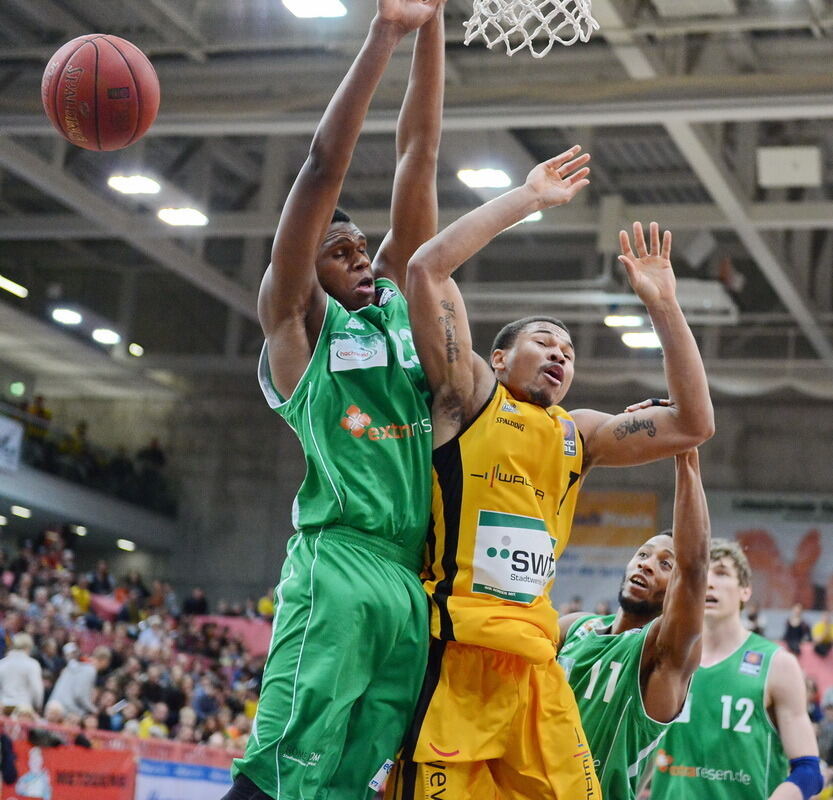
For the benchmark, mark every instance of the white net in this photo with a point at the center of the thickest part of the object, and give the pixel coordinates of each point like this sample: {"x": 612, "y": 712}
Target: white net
{"x": 536, "y": 24}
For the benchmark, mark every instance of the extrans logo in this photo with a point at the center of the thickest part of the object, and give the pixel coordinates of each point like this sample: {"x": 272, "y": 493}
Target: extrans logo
{"x": 357, "y": 424}
{"x": 525, "y": 562}
{"x": 665, "y": 764}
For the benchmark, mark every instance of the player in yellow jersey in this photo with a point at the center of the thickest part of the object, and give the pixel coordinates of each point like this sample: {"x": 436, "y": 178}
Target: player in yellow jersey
{"x": 496, "y": 716}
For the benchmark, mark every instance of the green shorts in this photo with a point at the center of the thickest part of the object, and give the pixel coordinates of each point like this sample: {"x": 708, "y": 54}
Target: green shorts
{"x": 345, "y": 666}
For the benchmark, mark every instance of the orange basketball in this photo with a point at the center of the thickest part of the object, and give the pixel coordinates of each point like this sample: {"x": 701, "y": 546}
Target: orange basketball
{"x": 100, "y": 92}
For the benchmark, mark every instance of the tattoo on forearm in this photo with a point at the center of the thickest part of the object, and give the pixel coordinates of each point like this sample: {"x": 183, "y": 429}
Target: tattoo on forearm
{"x": 452, "y": 349}
{"x": 634, "y": 426}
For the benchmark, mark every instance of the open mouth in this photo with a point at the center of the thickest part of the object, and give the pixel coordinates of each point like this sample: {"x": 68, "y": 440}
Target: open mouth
{"x": 711, "y": 600}
{"x": 555, "y": 373}
{"x": 638, "y": 580}
{"x": 365, "y": 284}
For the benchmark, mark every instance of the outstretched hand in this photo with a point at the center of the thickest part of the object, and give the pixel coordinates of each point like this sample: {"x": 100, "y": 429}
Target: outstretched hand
{"x": 649, "y": 271}
{"x": 408, "y": 15}
{"x": 560, "y": 179}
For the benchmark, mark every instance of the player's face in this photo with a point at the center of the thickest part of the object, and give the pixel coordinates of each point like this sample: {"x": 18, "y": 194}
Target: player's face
{"x": 724, "y": 594}
{"x": 539, "y": 366}
{"x": 343, "y": 266}
{"x": 646, "y": 577}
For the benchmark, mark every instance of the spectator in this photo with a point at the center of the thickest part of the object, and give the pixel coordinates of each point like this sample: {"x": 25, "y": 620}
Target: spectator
{"x": 822, "y": 634}
{"x": 151, "y": 637}
{"x": 753, "y": 620}
{"x": 796, "y": 630}
{"x": 266, "y": 605}
{"x": 154, "y": 723}
{"x": 21, "y": 679}
{"x": 74, "y": 687}
{"x": 151, "y": 457}
{"x": 101, "y": 582}
{"x": 196, "y": 603}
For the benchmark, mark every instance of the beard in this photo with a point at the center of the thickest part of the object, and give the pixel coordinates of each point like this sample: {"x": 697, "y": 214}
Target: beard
{"x": 540, "y": 397}
{"x": 649, "y": 609}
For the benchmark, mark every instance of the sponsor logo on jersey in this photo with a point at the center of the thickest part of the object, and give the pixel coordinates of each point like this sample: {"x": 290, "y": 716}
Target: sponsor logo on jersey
{"x": 355, "y": 324}
{"x": 509, "y": 408}
{"x": 751, "y": 663}
{"x": 357, "y": 424}
{"x": 511, "y": 422}
{"x": 665, "y": 764}
{"x": 583, "y": 752}
{"x": 513, "y": 557}
{"x": 301, "y": 757}
{"x": 566, "y": 662}
{"x": 496, "y": 476}
{"x": 436, "y": 779}
{"x": 348, "y": 351}
{"x": 568, "y": 427}
{"x": 385, "y": 295}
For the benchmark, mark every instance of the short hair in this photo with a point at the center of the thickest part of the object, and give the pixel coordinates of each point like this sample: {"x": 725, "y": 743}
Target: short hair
{"x": 340, "y": 216}
{"x": 667, "y": 532}
{"x": 507, "y": 335}
{"x": 726, "y": 548}
{"x": 22, "y": 641}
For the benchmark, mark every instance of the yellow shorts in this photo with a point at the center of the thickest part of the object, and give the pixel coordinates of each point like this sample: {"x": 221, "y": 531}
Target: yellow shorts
{"x": 492, "y": 725}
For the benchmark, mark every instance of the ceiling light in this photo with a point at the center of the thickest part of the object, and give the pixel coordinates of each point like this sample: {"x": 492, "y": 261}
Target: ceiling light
{"x": 135, "y": 349}
{"x": 106, "y": 336}
{"x": 15, "y": 288}
{"x": 484, "y": 178}
{"x": 3, "y": 521}
{"x": 133, "y": 184}
{"x": 66, "y": 316}
{"x": 79, "y": 530}
{"x": 624, "y": 321}
{"x": 316, "y": 8}
{"x": 17, "y": 388}
{"x": 647, "y": 339}
{"x": 125, "y": 544}
{"x": 182, "y": 216}
{"x": 21, "y": 511}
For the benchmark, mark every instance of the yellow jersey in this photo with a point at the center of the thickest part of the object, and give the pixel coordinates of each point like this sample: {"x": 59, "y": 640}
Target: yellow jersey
{"x": 503, "y": 498}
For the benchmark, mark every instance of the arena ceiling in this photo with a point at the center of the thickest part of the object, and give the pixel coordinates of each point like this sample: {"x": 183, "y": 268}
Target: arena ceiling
{"x": 677, "y": 100}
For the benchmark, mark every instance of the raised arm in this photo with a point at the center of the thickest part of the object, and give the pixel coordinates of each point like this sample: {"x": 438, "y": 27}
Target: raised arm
{"x": 672, "y": 654}
{"x": 291, "y": 303}
{"x": 414, "y": 200}
{"x": 662, "y": 430}
{"x": 459, "y": 379}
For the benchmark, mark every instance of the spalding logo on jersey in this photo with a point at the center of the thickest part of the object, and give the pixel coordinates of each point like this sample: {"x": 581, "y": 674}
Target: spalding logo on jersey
{"x": 384, "y": 296}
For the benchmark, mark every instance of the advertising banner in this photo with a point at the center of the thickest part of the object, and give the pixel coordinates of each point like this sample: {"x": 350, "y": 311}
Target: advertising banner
{"x": 168, "y": 780}
{"x": 788, "y": 539}
{"x": 11, "y": 442}
{"x": 71, "y": 773}
{"x": 607, "y": 528}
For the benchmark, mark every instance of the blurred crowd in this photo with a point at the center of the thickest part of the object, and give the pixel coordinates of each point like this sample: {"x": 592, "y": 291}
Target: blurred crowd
{"x": 139, "y": 478}
{"x": 153, "y": 671}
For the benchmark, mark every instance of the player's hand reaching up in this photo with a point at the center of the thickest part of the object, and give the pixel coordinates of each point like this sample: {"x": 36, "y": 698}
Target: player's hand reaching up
{"x": 408, "y": 15}
{"x": 649, "y": 271}
{"x": 560, "y": 179}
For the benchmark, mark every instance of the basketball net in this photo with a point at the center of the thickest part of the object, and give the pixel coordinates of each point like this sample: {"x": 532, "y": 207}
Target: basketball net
{"x": 536, "y": 24}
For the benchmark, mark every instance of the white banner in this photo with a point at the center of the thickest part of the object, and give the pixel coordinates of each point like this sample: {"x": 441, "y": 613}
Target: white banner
{"x": 168, "y": 780}
{"x": 11, "y": 443}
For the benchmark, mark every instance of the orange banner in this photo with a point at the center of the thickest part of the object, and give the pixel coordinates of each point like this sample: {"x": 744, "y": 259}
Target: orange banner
{"x": 71, "y": 773}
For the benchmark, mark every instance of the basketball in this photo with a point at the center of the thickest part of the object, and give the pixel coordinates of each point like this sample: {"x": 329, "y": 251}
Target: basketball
{"x": 100, "y": 92}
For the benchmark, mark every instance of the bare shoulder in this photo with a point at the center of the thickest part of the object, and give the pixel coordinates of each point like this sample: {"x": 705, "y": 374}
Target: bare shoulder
{"x": 567, "y": 621}
{"x": 588, "y": 420}
{"x": 785, "y": 676}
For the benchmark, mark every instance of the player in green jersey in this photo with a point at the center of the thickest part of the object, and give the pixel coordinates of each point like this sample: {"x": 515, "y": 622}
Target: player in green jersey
{"x": 350, "y": 640}
{"x": 630, "y": 671}
{"x": 746, "y": 714}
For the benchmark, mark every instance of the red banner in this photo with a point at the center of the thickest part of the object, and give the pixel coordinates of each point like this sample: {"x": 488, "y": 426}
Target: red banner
{"x": 71, "y": 773}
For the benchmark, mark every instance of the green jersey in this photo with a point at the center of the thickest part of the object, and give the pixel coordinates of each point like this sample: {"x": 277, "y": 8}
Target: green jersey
{"x": 603, "y": 671}
{"x": 361, "y": 413}
{"x": 723, "y": 746}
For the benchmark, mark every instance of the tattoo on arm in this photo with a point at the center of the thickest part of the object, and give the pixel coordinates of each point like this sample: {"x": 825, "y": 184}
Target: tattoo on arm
{"x": 452, "y": 349}
{"x": 634, "y": 426}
